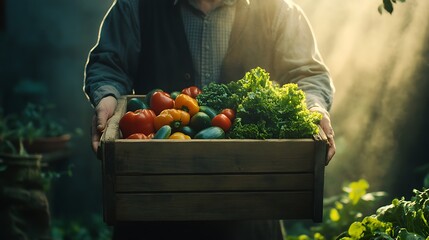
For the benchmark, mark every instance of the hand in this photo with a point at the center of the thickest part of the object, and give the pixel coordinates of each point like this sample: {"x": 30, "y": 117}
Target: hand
{"x": 103, "y": 111}
{"x": 325, "y": 124}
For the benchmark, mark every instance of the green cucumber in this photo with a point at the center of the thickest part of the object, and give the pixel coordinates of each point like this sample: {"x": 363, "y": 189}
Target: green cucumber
{"x": 163, "y": 133}
{"x": 210, "y": 133}
{"x": 135, "y": 103}
{"x": 209, "y": 111}
{"x": 188, "y": 131}
{"x": 200, "y": 121}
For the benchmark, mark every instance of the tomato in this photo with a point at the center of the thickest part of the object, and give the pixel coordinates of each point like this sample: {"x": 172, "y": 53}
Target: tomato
{"x": 230, "y": 113}
{"x": 137, "y": 136}
{"x": 192, "y": 91}
{"x": 222, "y": 121}
{"x": 160, "y": 101}
{"x": 140, "y": 121}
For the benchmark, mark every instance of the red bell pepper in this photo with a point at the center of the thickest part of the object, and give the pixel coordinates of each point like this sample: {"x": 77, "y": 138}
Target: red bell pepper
{"x": 192, "y": 91}
{"x": 161, "y": 101}
{"x": 140, "y": 121}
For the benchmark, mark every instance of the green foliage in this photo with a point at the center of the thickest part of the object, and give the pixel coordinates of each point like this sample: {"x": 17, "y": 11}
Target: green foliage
{"x": 402, "y": 219}
{"x": 34, "y": 121}
{"x": 89, "y": 228}
{"x": 387, "y": 5}
{"x": 263, "y": 108}
{"x": 342, "y": 210}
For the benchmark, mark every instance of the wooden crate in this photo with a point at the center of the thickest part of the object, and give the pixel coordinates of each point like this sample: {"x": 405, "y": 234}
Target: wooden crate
{"x": 175, "y": 180}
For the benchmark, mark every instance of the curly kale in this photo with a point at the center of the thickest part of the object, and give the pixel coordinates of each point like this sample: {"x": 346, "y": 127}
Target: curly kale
{"x": 263, "y": 108}
{"x": 218, "y": 97}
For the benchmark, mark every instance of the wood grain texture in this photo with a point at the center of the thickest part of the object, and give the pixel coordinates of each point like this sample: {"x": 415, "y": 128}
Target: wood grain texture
{"x": 213, "y": 156}
{"x": 202, "y": 183}
{"x": 214, "y": 206}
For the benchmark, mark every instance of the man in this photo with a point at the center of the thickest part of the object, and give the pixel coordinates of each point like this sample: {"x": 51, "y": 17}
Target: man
{"x": 173, "y": 44}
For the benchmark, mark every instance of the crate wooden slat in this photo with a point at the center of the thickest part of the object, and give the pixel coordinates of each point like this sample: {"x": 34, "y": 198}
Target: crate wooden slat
{"x": 221, "y": 182}
{"x": 213, "y": 156}
{"x": 214, "y": 206}
{"x": 228, "y": 179}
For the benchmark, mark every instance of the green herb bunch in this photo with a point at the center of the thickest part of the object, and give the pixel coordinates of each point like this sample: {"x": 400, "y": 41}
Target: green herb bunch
{"x": 263, "y": 108}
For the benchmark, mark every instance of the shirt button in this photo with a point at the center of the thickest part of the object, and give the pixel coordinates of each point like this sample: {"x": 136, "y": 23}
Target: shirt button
{"x": 187, "y": 76}
{"x": 207, "y": 47}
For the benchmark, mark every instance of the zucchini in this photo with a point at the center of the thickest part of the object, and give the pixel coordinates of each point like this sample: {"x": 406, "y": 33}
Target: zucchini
{"x": 210, "y": 133}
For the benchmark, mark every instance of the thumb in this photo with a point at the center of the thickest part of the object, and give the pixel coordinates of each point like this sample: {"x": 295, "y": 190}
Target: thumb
{"x": 104, "y": 111}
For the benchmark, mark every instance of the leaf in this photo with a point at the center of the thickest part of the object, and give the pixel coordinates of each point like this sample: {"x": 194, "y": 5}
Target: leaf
{"x": 356, "y": 230}
{"x": 334, "y": 215}
{"x": 380, "y": 8}
{"x": 357, "y": 190}
{"x": 388, "y": 6}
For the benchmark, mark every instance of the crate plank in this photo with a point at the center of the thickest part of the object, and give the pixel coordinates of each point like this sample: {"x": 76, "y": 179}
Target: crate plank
{"x": 213, "y": 156}
{"x": 214, "y": 206}
{"x": 195, "y": 183}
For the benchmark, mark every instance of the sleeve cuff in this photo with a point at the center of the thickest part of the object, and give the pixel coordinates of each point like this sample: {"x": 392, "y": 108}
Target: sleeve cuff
{"x": 103, "y": 92}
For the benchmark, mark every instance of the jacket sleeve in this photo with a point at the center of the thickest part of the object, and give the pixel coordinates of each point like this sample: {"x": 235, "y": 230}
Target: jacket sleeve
{"x": 297, "y": 58}
{"x": 112, "y": 63}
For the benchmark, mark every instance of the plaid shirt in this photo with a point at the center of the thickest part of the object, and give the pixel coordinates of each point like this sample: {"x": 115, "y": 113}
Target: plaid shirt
{"x": 208, "y": 38}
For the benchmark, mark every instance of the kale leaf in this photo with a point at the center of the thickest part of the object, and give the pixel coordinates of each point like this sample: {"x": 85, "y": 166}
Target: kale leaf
{"x": 263, "y": 109}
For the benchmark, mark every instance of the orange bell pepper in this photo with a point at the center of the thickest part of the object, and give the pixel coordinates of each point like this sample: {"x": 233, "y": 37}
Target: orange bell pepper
{"x": 173, "y": 117}
{"x": 187, "y": 103}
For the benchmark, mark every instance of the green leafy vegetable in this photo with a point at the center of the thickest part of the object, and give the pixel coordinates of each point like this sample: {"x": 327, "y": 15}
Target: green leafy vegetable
{"x": 400, "y": 220}
{"x": 263, "y": 109}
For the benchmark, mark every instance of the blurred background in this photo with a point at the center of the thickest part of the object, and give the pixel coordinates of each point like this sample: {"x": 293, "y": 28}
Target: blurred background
{"x": 379, "y": 64}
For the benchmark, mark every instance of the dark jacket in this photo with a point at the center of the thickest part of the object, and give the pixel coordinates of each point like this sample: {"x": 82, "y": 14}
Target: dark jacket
{"x": 127, "y": 58}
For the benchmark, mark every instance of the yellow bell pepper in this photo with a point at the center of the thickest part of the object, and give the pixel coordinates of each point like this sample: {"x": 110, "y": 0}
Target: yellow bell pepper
{"x": 173, "y": 117}
{"x": 186, "y": 103}
{"x": 179, "y": 136}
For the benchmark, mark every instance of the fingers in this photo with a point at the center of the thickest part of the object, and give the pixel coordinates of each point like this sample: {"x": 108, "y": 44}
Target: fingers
{"x": 95, "y": 134}
{"x": 103, "y": 112}
{"x": 325, "y": 123}
{"x": 332, "y": 148}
